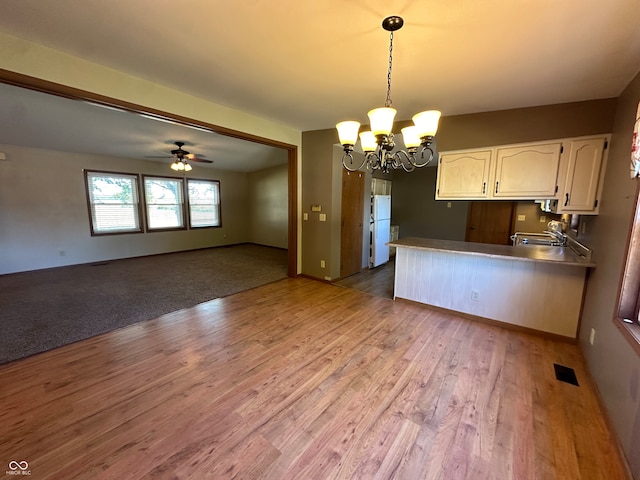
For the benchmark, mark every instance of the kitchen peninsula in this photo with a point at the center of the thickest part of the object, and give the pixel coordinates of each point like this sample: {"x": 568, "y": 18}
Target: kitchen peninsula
{"x": 534, "y": 287}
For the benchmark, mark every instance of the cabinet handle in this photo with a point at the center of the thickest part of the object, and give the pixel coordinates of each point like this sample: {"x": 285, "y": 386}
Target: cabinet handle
{"x": 566, "y": 199}
{"x": 497, "y": 187}
{"x": 484, "y": 187}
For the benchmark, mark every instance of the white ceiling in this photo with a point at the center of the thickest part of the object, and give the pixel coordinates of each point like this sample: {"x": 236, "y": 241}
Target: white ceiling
{"x": 311, "y": 64}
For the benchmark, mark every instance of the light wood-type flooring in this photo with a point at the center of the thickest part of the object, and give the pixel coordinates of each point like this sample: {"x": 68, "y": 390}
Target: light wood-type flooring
{"x": 299, "y": 379}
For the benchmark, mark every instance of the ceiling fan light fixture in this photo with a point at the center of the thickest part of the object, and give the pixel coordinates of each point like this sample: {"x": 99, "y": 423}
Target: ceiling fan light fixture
{"x": 378, "y": 145}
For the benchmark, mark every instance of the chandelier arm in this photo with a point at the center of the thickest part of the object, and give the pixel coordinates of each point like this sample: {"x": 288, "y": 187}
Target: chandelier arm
{"x": 374, "y": 160}
{"x": 405, "y": 160}
{"x": 349, "y": 156}
{"x": 431, "y": 157}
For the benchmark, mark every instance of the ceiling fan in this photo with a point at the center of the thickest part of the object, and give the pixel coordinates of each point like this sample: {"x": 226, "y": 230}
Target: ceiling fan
{"x": 182, "y": 157}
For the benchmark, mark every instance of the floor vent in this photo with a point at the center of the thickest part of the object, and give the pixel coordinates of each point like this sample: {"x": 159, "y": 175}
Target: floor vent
{"x": 565, "y": 374}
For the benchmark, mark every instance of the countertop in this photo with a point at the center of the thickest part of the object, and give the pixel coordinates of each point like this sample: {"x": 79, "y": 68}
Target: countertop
{"x": 528, "y": 253}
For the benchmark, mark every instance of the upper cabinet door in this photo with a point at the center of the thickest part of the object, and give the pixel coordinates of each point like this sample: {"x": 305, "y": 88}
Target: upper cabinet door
{"x": 582, "y": 180}
{"x": 463, "y": 175}
{"x": 527, "y": 172}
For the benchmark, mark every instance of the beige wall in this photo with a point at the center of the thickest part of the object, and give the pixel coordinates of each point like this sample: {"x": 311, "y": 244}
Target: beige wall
{"x": 614, "y": 365}
{"x": 43, "y": 211}
{"x": 268, "y": 204}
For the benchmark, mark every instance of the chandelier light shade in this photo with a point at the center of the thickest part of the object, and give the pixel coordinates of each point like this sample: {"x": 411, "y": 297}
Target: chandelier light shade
{"x": 427, "y": 123}
{"x": 348, "y": 132}
{"x": 378, "y": 144}
{"x": 381, "y": 120}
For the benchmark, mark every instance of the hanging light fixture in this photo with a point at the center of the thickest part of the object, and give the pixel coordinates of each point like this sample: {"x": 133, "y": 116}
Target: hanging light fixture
{"x": 180, "y": 156}
{"x": 181, "y": 165}
{"x": 378, "y": 144}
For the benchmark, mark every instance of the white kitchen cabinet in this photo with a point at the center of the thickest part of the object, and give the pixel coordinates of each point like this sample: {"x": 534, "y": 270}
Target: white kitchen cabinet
{"x": 526, "y": 171}
{"x": 464, "y": 175}
{"x": 510, "y": 172}
{"x": 581, "y": 175}
{"x": 569, "y": 172}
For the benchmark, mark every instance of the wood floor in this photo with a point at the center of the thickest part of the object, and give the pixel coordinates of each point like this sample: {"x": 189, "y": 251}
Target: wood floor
{"x": 300, "y": 379}
{"x": 376, "y": 281}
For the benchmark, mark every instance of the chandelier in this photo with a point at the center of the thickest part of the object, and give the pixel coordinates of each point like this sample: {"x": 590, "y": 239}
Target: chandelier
{"x": 378, "y": 144}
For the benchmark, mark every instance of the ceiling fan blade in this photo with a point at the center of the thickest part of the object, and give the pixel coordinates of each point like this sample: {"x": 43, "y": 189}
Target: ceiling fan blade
{"x": 156, "y": 156}
{"x": 201, "y": 160}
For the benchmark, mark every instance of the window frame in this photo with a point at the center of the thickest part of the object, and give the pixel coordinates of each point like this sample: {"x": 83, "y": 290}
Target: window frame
{"x": 183, "y": 209}
{"x": 188, "y": 201}
{"x": 105, "y": 173}
{"x": 628, "y": 310}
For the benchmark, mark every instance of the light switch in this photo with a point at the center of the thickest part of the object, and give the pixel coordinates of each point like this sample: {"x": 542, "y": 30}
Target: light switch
{"x": 521, "y": 218}
{"x": 305, "y": 216}
{"x": 323, "y": 217}
{"x": 543, "y": 219}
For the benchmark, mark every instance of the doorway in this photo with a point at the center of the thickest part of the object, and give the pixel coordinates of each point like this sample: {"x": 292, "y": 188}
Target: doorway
{"x": 351, "y": 223}
{"x": 490, "y": 222}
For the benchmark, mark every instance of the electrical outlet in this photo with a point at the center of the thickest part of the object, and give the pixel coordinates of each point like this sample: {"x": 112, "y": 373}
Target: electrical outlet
{"x": 543, "y": 219}
{"x": 322, "y": 264}
{"x": 521, "y": 218}
{"x": 592, "y": 336}
{"x": 475, "y": 295}
{"x": 448, "y": 204}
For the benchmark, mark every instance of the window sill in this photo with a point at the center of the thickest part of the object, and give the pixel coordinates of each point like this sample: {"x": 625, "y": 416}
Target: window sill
{"x": 631, "y": 331}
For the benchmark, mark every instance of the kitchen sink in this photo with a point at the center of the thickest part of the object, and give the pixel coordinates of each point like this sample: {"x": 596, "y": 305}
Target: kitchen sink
{"x": 546, "y": 238}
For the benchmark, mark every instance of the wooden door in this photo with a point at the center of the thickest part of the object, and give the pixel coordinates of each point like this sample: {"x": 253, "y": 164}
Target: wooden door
{"x": 490, "y": 222}
{"x": 352, "y": 216}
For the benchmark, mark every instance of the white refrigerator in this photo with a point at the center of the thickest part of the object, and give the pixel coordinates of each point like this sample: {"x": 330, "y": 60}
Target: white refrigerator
{"x": 380, "y": 229}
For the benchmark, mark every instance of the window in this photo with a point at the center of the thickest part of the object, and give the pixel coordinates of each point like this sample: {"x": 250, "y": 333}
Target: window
{"x": 164, "y": 202}
{"x": 629, "y": 304}
{"x": 114, "y": 205}
{"x": 204, "y": 203}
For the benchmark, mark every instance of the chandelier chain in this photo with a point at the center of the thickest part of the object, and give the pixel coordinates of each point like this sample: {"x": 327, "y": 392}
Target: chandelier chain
{"x": 388, "y": 102}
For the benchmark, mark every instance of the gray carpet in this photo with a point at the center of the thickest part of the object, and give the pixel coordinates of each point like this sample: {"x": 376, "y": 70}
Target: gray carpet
{"x": 45, "y": 309}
